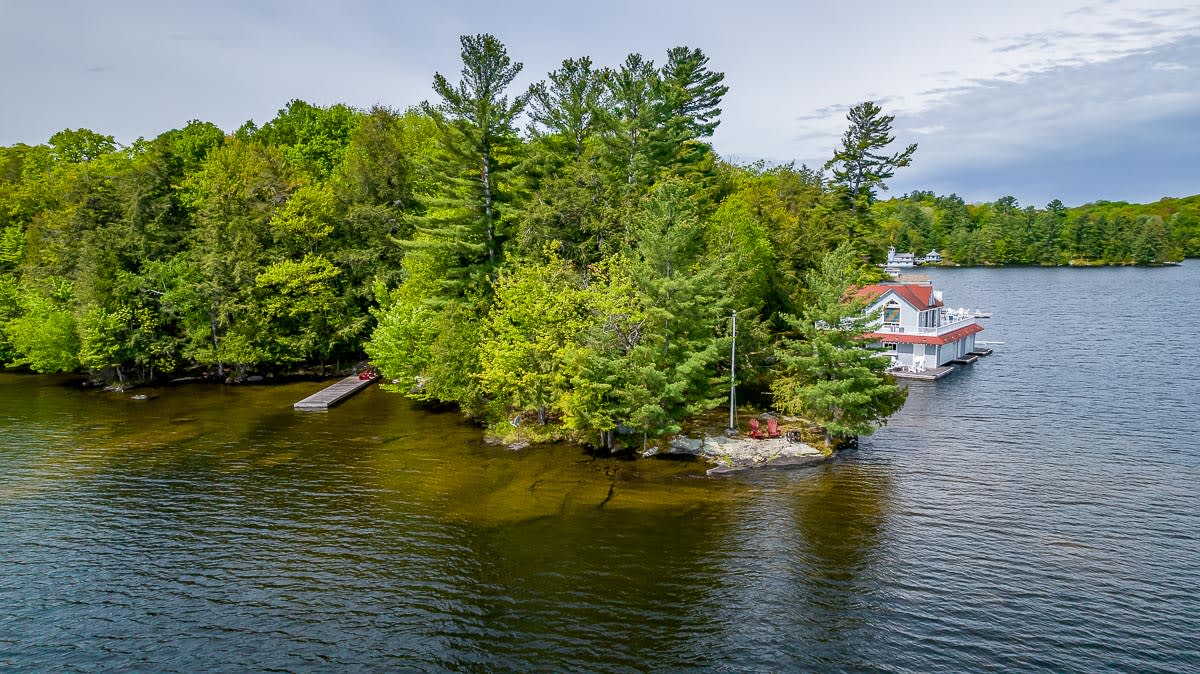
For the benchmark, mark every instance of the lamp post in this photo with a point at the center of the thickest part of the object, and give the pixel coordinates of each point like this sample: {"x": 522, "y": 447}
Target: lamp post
{"x": 732, "y": 429}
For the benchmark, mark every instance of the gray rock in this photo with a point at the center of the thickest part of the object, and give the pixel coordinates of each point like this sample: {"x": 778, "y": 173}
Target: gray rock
{"x": 686, "y": 445}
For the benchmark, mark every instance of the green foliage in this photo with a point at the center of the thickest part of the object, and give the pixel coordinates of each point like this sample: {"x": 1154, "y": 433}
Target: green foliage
{"x": 308, "y": 318}
{"x": 75, "y": 146}
{"x": 1001, "y": 232}
{"x": 44, "y": 336}
{"x": 313, "y": 139}
{"x": 234, "y": 197}
{"x": 528, "y": 334}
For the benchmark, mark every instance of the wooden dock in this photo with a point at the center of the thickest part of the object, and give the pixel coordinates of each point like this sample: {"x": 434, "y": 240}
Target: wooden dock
{"x": 333, "y": 394}
{"x": 925, "y": 375}
{"x": 980, "y": 352}
{"x": 966, "y": 360}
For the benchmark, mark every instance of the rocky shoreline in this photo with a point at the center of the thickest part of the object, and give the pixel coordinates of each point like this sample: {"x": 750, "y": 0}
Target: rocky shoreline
{"x": 741, "y": 453}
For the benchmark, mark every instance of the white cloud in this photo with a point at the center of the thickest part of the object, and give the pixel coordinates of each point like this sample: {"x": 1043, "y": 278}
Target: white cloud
{"x": 993, "y": 51}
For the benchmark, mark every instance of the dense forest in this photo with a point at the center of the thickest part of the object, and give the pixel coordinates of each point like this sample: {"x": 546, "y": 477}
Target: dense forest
{"x": 565, "y": 258}
{"x": 1002, "y": 232}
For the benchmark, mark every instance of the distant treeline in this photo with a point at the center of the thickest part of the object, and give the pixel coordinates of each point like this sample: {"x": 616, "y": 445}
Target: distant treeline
{"x": 576, "y": 276}
{"x": 1002, "y": 232}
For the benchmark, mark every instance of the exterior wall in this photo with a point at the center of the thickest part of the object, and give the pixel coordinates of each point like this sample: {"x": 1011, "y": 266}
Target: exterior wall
{"x": 910, "y": 317}
{"x": 936, "y": 355}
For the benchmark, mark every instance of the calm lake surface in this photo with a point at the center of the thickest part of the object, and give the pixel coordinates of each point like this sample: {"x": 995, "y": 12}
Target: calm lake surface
{"x": 1038, "y": 511}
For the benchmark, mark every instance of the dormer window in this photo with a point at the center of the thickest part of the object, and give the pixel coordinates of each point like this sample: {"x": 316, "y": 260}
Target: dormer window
{"x": 891, "y": 313}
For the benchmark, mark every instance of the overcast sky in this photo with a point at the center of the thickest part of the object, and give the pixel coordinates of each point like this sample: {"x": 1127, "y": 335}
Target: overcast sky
{"x": 1036, "y": 99}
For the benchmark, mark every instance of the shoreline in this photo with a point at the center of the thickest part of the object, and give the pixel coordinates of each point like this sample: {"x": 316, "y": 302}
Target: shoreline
{"x": 725, "y": 454}
{"x": 741, "y": 453}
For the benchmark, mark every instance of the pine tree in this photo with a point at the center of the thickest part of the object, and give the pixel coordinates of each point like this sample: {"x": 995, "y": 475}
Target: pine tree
{"x": 829, "y": 376}
{"x": 565, "y": 188}
{"x": 479, "y": 145}
{"x": 859, "y": 166}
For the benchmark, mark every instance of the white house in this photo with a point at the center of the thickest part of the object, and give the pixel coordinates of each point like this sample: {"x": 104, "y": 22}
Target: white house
{"x": 933, "y": 256}
{"x": 895, "y": 259}
{"x": 916, "y": 326}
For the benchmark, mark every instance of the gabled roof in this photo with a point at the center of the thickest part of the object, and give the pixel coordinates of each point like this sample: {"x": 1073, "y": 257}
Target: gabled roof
{"x": 920, "y": 296}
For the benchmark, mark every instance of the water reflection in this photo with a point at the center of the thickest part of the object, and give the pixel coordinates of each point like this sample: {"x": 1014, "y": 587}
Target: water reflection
{"x": 623, "y": 587}
{"x": 841, "y": 515}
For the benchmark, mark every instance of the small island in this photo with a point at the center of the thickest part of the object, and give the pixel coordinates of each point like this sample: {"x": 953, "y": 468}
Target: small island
{"x": 563, "y": 263}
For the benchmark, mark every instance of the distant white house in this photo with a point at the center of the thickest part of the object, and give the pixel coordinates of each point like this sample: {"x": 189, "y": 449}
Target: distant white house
{"x": 895, "y": 259}
{"x": 914, "y": 326}
{"x": 932, "y": 256}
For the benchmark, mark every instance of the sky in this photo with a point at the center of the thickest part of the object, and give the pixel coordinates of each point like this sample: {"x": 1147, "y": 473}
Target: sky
{"x": 1076, "y": 100}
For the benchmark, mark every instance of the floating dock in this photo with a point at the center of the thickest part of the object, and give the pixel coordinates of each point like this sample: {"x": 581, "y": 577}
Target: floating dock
{"x": 981, "y": 352}
{"x": 334, "y": 394}
{"x": 925, "y": 375}
{"x": 966, "y": 360}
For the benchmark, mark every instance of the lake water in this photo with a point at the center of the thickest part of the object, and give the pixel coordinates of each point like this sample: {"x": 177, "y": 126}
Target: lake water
{"x": 1037, "y": 511}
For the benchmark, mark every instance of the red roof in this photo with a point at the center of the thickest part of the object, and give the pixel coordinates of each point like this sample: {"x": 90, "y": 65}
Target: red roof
{"x": 947, "y": 338}
{"x": 919, "y": 295}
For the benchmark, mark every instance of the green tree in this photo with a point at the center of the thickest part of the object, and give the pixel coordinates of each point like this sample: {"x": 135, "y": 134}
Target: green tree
{"x": 609, "y": 368}
{"x": 234, "y": 198}
{"x": 386, "y": 170}
{"x": 828, "y": 374}
{"x": 44, "y": 336}
{"x": 533, "y": 324}
{"x": 313, "y": 139}
{"x": 690, "y": 95}
{"x": 565, "y": 188}
{"x": 308, "y": 316}
{"x": 76, "y": 146}
{"x": 630, "y": 117}
{"x": 1152, "y": 242}
{"x": 480, "y": 145}
{"x": 860, "y": 166}
{"x": 685, "y": 303}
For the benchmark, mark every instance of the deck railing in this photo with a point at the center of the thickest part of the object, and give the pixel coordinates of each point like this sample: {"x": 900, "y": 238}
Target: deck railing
{"x": 949, "y": 324}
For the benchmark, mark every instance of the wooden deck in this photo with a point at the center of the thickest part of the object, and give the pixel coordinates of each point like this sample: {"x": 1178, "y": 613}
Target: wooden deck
{"x": 926, "y": 375}
{"x": 966, "y": 360}
{"x": 981, "y": 352}
{"x": 333, "y": 394}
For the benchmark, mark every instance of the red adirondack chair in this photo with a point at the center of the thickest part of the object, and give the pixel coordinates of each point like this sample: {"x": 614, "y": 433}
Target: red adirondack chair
{"x": 772, "y": 427}
{"x": 754, "y": 432}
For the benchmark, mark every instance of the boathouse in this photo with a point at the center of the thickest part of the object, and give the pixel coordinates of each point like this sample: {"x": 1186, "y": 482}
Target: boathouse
{"x": 914, "y": 326}
{"x": 895, "y": 259}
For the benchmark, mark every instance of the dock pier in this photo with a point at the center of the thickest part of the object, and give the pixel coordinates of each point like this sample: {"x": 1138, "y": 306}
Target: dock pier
{"x": 929, "y": 374}
{"x": 333, "y": 394}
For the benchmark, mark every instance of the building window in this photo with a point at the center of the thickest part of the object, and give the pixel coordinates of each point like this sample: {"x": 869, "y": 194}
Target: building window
{"x": 891, "y": 314}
